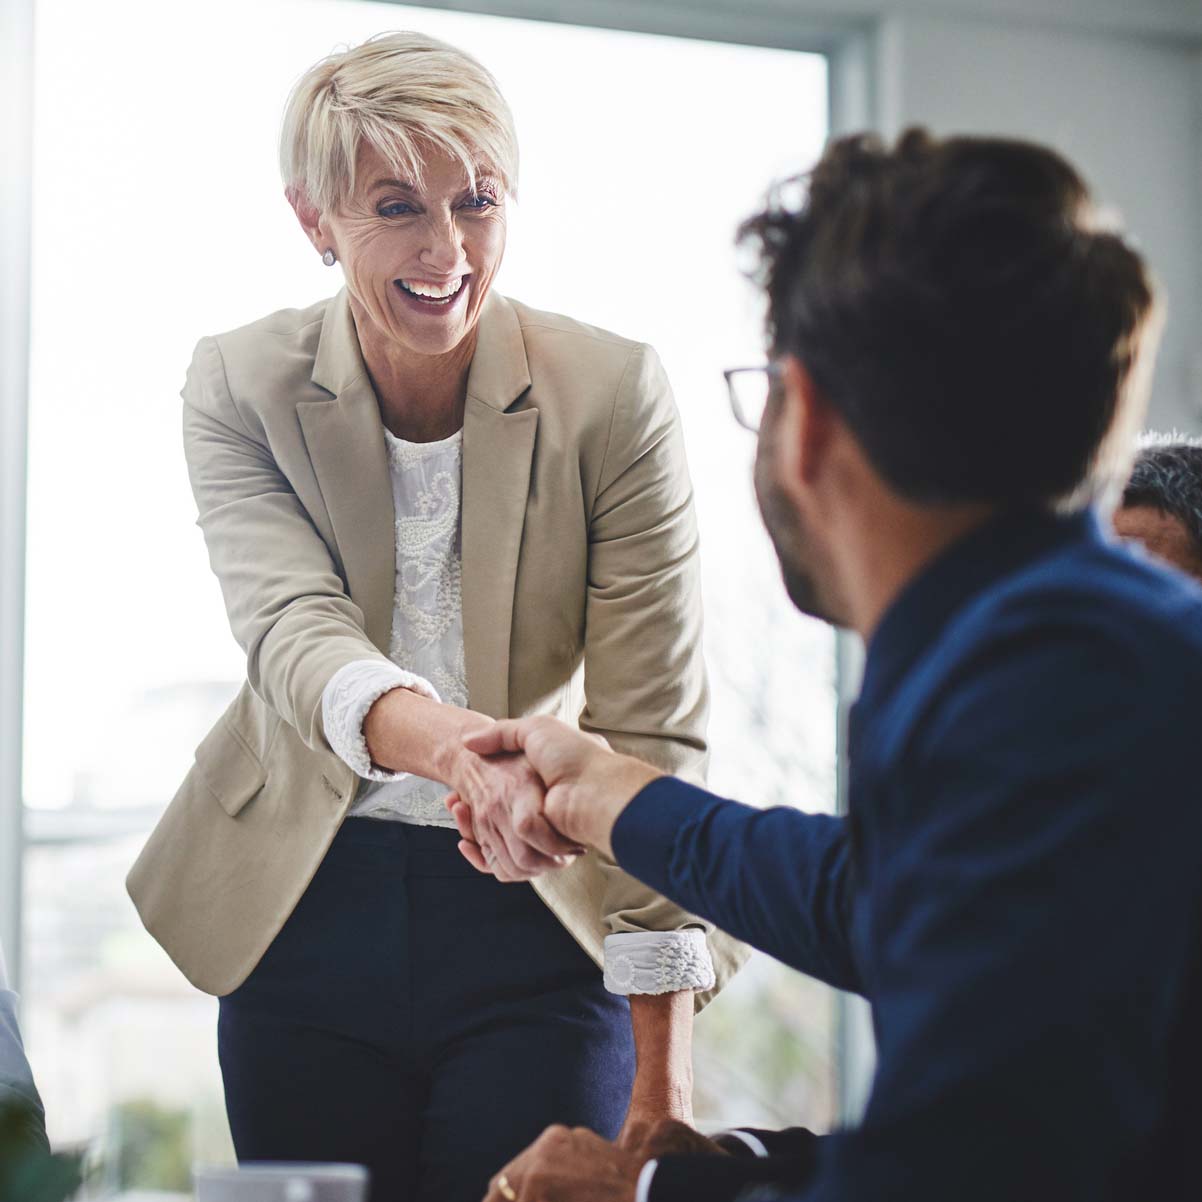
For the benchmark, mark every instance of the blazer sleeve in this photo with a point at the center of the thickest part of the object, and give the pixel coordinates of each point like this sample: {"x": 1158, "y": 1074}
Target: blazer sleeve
{"x": 726, "y": 1178}
{"x": 645, "y": 684}
{"x": 778, "y": 878}
{"x": 285, "y": 600}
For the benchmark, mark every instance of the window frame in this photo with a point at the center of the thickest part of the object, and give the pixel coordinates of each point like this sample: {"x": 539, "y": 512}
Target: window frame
{"x": 16, "y": 221}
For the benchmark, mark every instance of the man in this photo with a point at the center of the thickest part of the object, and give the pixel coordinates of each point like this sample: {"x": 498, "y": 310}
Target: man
{"x": 959, "y": 361}
{"x": 1162, "y": 503}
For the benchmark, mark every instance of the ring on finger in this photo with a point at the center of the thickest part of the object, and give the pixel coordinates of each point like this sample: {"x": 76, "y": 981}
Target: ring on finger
{"x": 507, "y": 1190}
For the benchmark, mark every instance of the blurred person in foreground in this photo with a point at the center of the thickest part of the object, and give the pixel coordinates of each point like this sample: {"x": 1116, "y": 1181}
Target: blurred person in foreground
{"x": 19, "y": 1099}
{"x": 28, "y": 1172}
{"x": 429, "y": 506}
{"x": 1162, "y": 502}
{"x": 959, "y": 361}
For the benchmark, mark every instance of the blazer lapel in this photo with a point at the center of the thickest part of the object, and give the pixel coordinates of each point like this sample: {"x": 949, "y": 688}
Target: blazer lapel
{"x": 498, "y": 451}
{"x": 345, "y": 440}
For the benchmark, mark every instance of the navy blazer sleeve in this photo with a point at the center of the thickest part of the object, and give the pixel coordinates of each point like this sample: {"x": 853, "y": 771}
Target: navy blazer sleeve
{"x": 1034, "y": 907}
{"x": 777, "y": 879}
{"x": 1032, "y": 941}
{"x": 724, "y": 1179}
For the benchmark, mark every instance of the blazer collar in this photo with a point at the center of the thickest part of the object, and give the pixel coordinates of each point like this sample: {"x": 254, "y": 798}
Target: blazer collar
{"x": 499, "y": 373}
{"x": 345, "y": 440}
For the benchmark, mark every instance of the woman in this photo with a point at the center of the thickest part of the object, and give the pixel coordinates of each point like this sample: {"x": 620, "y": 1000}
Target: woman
{"x": 429, "y": 507}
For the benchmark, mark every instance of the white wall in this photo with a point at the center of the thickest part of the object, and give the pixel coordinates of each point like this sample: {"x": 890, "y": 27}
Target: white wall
{"x": 1115, "y": 84}
{"x": 1124, "y": 107}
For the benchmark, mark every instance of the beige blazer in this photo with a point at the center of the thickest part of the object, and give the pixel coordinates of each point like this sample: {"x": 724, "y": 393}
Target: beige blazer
{"x": 581, "y": 599}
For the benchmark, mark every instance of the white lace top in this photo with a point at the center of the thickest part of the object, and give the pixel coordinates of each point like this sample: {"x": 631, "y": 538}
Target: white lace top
{"x": 427, "y": 656}
{"x": 427, "y": 629}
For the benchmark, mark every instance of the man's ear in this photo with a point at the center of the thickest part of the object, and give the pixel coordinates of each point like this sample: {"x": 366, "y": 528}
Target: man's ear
{"x": 309, "y": 217}
{"x": 806, "y": 424}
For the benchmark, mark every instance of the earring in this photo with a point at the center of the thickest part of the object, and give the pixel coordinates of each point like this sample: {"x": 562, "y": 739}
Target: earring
{"x": 329, "y": 258}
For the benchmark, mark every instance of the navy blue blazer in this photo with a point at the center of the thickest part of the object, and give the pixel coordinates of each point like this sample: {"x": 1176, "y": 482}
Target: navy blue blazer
{"x": 1017, "y": 888}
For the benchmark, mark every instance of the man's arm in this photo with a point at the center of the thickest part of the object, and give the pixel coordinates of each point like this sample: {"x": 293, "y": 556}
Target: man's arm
{"x": 580, "y": 1166}
{"x": 1033, "y": 935}
{"x": 705, "y": 1179}
{"x": 778, "y": 879}
{"x": 685, "y": 1166}
{"x": 645, "y": 692}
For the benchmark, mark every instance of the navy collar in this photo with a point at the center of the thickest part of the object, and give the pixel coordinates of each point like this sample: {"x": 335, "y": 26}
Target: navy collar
{"x": 983, "y": 557}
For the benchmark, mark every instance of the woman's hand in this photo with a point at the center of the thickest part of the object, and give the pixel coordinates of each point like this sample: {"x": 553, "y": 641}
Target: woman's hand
{"x": 568, "y": 1165}
{"x": 588, "y": 785}
{"x": 499, "y": 801}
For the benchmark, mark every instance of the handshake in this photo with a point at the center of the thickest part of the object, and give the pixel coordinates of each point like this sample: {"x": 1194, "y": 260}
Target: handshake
{"x": 531, "y": 795}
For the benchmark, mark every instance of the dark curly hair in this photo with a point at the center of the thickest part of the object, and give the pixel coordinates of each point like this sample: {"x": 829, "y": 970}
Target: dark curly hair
{"x": 951, "y": 303}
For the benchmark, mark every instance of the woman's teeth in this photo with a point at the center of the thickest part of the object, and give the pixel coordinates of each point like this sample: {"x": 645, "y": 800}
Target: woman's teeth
{"x": 437, "y": 294}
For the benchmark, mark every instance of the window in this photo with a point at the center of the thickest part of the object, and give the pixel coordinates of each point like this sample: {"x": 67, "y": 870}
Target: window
{"x": 159, "y": 218}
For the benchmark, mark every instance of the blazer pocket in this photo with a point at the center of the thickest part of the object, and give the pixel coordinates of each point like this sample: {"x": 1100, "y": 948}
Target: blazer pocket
{"x": 228, "y": 767}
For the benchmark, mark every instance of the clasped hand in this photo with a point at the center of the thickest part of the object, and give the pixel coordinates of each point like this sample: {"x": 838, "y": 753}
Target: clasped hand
{"x": 567, "y": 792}
{"x": 510, "y": 836}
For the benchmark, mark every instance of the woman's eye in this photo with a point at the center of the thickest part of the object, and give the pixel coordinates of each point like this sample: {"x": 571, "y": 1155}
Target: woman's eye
{"x": 483, "y": 201}
{"x": 396, "y": 209}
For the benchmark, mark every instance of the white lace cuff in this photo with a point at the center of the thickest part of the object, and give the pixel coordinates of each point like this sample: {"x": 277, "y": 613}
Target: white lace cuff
{"x": 657, "y": 962}
{"x": 350, "y": 693}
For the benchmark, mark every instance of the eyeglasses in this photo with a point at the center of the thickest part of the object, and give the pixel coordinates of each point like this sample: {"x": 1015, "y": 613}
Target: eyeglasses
{"x": 750, "y": 388}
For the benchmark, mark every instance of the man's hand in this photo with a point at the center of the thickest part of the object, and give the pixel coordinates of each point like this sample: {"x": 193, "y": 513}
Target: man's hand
{"x": 666, "y": 1137}
{"x": 513, "y": 840}
{"x": 587, "y": 785}
{"x": 568, "y": 1165}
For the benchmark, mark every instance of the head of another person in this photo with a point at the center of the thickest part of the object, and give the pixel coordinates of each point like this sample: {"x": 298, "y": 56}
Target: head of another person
{"x": 1162, "y": 502}
{"x": 951, "y": 334}
{"x": 398, "y": 156}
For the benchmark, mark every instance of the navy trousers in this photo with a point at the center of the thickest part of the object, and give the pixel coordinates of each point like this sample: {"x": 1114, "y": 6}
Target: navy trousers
{"x": 421, "y": 1019}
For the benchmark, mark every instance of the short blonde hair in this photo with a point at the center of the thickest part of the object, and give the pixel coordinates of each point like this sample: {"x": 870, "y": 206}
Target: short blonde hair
{"x": 398, "y": 92}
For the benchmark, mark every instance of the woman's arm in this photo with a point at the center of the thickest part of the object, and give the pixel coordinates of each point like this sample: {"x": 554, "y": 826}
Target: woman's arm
{"x": 663, "y": 1042}
{"x": 406, "y": 732}
{"x": 285, "y": 600}
{"x": 291, "y": 614}
{"x": 647, "y": 695}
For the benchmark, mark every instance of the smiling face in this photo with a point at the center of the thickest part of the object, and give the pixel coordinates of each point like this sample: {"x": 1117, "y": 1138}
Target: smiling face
{"x": 418, "y": 261}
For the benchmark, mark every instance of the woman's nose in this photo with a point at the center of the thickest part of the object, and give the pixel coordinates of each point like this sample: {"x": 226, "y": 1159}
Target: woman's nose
{"x": 444, "y": 247}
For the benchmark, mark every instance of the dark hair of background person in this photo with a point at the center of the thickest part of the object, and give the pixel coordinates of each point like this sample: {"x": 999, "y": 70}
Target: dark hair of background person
{"x": 950, "y": 302}
{"x": 1167, "y": 476}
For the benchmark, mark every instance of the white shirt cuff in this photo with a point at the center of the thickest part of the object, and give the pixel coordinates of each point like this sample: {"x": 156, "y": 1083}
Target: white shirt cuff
{"x": 752, "y": 1141}
{"x": 350, "y": 693}
{"x": 642, "y": 1191}
{"x": 657, "y": 962}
